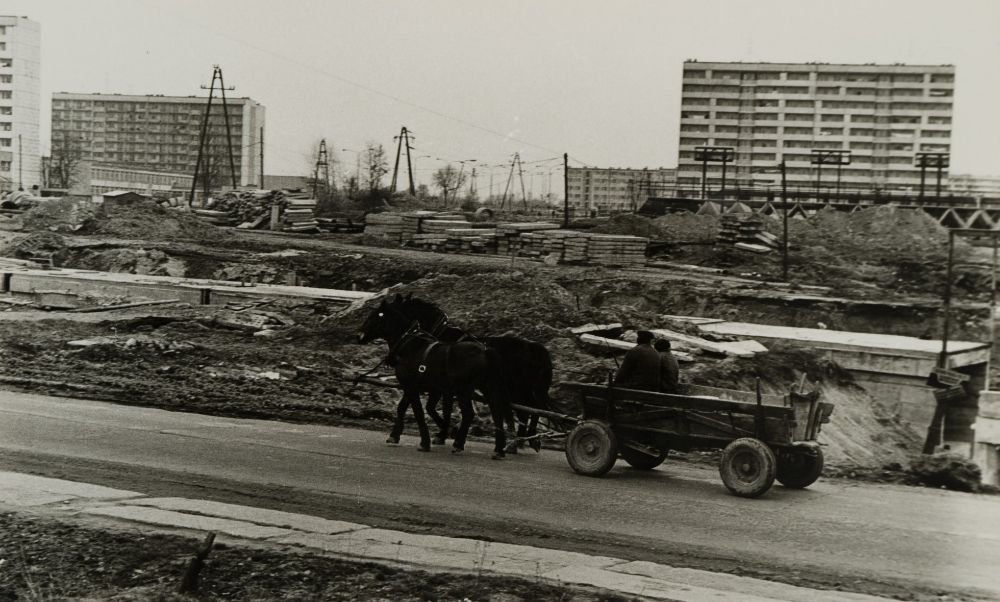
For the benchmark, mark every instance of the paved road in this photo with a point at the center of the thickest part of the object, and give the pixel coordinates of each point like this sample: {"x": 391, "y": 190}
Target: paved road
{"x": 932, "y": 540}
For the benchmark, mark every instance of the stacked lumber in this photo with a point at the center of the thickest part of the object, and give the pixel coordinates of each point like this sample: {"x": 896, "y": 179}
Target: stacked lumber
{"x": 740, "y": 227}
{"x": 385, "y": 225}
{"x": 616, "y": 249}
{"x": 250, "y": 207}
{"x": 509, "y": 234}
{"x": 470, "y": 240}
{"x": 412, "y": 221}
{"x": 575, "y": 248}
{"x": 299, "y": 214}
{"x": 340, "y": 224}
{"x": 437, "y": 225}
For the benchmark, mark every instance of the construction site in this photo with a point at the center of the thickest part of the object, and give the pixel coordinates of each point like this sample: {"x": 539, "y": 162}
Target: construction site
{"x": 141, "y": 303}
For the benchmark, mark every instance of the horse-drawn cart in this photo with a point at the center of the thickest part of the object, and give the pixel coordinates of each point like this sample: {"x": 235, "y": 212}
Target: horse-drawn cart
{"x": 763, "y": 437}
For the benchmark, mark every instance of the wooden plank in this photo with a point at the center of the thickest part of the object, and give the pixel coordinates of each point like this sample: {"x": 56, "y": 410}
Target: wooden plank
{"x": 603, "y": 392}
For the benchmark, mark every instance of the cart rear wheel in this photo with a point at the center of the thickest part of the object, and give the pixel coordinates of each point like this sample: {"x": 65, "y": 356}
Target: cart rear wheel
{"x": 748, "y": 467}
{"x": 592, "y": 448}
{"x": 641, "y": 461}
{"x": 799, "y": 467}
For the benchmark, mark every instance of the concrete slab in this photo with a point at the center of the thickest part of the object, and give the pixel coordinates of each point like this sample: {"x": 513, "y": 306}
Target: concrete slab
{"x": 356, "y": 546}
{"x": 737, "y": 585}
{"x": 180, "y": 520}
{"x": 260, "y": 516}
{"x": 28, "y": 490}
{"x": 647, "y": 587}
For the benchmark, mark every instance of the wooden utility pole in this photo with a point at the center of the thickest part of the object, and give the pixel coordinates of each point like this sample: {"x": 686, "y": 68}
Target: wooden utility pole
{"x": 262, "y": 157}
{"x": 565, "y": 190}
{"x": 784, "y": 222}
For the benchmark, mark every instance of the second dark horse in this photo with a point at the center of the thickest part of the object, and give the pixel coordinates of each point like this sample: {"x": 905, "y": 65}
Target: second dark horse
{"x": 423, "y": 364}
{"x": 525, "y": 368}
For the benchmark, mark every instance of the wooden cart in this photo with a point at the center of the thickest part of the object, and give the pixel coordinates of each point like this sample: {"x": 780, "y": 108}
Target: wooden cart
{"x": 763, "y": 437}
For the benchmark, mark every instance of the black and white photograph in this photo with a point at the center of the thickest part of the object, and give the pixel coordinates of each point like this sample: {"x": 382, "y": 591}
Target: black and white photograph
{"x": 499, "y": 301}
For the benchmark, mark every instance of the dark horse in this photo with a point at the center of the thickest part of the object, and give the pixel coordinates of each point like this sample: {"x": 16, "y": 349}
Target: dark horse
{"x": 525, "y": 368}
{"x": 423, "y": 364}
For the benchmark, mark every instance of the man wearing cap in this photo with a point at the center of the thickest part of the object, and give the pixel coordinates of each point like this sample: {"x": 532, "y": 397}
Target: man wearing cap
{"x": 640, "y": 368}
{"x": 669, "y": 369}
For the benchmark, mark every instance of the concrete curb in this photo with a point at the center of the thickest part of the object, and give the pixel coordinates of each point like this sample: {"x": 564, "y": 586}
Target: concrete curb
{"x": 357, "y": 541}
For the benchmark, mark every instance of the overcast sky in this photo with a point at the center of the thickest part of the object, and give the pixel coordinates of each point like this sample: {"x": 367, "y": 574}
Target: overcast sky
{"x": 481, "y": 80}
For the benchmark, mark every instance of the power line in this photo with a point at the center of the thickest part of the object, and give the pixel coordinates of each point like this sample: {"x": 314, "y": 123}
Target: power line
{"x": 217, "y": 33}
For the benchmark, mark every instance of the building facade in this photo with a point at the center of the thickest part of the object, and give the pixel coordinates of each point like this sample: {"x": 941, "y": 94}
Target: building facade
{"x": 159, "y": 133}
{"x": 882, "y": 115}
{"x": 979, "y": 187}
{"x": 20, "y": 103}
{"x": 96, "y": 179}
{"x": 595, "y": 190}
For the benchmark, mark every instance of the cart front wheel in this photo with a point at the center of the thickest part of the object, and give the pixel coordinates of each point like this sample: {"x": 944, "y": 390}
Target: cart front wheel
{"x": 748, "y": 467}
{"x": 799, "y": 467}
{"x": 641, "y": 461}
{"x": 592, "y": 448}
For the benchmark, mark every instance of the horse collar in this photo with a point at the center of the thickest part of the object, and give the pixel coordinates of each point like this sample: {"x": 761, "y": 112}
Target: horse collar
{"x": 423, "y": 361}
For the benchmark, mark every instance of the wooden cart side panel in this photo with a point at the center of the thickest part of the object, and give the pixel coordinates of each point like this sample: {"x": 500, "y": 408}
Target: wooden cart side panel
{"x": 624, "y": 399}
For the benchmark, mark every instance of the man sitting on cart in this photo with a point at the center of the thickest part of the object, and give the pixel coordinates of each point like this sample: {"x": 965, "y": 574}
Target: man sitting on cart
{"x": 640, "y": 367}
{"x": 669, "y": 369}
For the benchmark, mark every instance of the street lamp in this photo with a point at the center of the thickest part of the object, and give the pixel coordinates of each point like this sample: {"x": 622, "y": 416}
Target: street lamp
{"x": 357, "y": 155}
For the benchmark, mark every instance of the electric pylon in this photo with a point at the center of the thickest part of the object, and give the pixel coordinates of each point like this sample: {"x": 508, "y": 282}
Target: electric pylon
{"x": 403, "y": 138}
{"x": 203, "y": 138}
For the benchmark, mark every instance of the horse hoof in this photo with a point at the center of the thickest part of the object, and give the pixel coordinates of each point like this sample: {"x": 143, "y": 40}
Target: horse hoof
{"x": 438, "y": 441}
{"x": 457, "y": 450}
{"x": 424, "y": 447}
{"x": 536, "y": 445}
{"x": 498, "y": 456}
{"x": 392, "y": 440}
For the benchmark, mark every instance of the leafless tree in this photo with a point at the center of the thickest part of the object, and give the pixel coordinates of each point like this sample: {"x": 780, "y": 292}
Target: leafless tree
{"x": 66, "y": 156}
{"x": 376, "y": 165}
{"x": 449, "y": 180}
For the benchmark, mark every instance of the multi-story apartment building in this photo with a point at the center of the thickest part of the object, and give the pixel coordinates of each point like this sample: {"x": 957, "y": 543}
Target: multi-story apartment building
{"x": 20, "y": 60}
{"x": 595, "y": 190}
{"x": 768, "y": 112}
{"x": 974, "y": 186}
{"x": 159, "y": 133}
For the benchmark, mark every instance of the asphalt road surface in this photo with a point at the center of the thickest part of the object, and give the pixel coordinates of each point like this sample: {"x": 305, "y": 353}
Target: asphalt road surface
{"x": 881, "y": 539}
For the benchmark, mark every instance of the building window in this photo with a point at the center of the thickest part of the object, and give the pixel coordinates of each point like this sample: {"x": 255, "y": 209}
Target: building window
{"x": 6, "y": 78}
{"x": 5, "y": 142}
{"x": 935, "y": 120}
{"x": 5, "y": 94}
{"x": 833, "y": 117}
{"x": 942, "y": 78}
{"x": 3, "y": 45}
{"x": 6, "y": 63}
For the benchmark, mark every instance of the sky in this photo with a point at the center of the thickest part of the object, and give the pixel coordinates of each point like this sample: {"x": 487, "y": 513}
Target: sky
{"x": 483, "y": 80}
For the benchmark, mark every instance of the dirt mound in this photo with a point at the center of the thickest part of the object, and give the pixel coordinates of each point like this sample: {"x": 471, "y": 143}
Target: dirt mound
{"x": 35, "y": 245}
{"x": 67, "y": 214}
{"x": 675, "y": 227}
{"x": 861, "y": 432}
{"x": 148, "y": 221}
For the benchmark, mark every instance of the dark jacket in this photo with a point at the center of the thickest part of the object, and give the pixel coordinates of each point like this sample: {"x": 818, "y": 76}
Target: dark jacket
{"x": 640, "y": 369}
{"x": 670, "y": 372}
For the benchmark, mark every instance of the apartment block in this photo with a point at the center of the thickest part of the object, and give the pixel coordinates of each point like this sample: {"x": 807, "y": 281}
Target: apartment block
{"x": 882, "y": 115}
{"x": 596, "y": 190}
{"x": 159, "y": 133}
{"x": 20, "y": 66}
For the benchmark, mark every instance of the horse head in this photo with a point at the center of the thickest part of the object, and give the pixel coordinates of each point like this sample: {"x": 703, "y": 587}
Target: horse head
{"x": 384, "y": 322}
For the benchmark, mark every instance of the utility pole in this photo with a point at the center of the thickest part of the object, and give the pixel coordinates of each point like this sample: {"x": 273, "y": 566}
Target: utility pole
{"x": 565, "y": 190}
{"x": 784, "y": 221}
{"x": 20, "y": 164}
{"x": 322, "y": 162}
{"x": 216, "y": 75}
{"x": 262, "y": 157}
{"x": 520, "y": 171}
{"x": 472, "y": 184}
{"x": 403, "y": 138}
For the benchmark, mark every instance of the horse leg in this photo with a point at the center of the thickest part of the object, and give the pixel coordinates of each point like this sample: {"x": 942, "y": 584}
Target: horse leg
{"x": 397, "y": 425}
{"x": 432, "y": 401}
{"x": 447, "y": 407}
{"x": 465, "y": 406}
{"x": 499, "y": 432}
{"x": 534, "y": 441}
{"x": 418, "y": 413}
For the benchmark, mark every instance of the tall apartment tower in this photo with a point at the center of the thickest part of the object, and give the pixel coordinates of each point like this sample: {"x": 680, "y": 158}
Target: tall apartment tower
{"x": 20, "y": 61}
{"x": 769, "y": 112}
{"x": 159, "y": 133}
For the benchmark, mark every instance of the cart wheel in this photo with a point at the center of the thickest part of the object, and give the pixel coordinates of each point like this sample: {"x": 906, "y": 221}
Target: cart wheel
{"x": 747, "y": 467}
{"x": 799, "y": 467}
{"x": 592, "y": 448}
{"x": 637, "y": 459}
